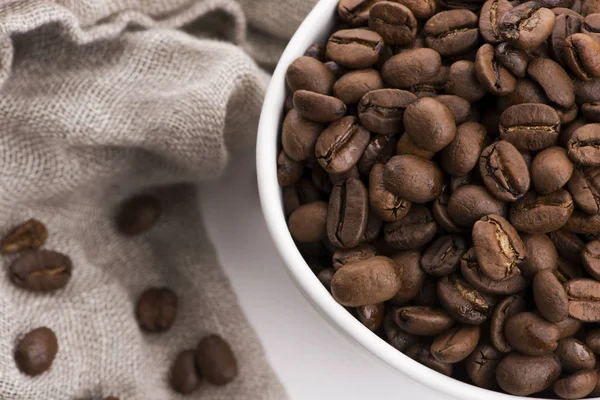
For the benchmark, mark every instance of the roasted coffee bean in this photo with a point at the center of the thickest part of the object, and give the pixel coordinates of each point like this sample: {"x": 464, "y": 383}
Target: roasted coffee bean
{"x": 576, "y": 386}
{"x": 463, "y": 82}
{"x": 584, "y": 145}
{"x": 550, "y": 297}
{"x": 138, "y": 214}
{"x": 184, "y": 377}
{"x": 541, "y": 255}
{"x": 308, "y": 73}
{"x": 591, "y": 26}
{"x": 398, "y": 338}
{"x": 31, "y": 234}
{"x": 566, "y": 25}
{"x": 379, "y": 150}
{"x": 443, "y": 256}
{"x": 470, "y": 203}
{"x": 36, "y": 351}
{"x": 288, "y": 171}
{"x": 216, "y": 361}
{"x": 471, "y": 271}
{"x": 323, "y": 181}
{"x": 318, "y": 107}
{"x": 592, "y": 340}
{"x": 583, "y": 223}
{"x": 591, "y": 111}
{"x": 41, "y": 271}
{"x": 406, "y": 146}
{"x": 355, "y": 12}
{"x": 308, "y": 223}
{"x": 325, "y": 277}
{"x": 433, "y": 87}
{"x": 395, "y": 23}
{"x": 462, "y": 301}
{"x": 554, "y": 80}
{"x": 567, "y": 270}
{"x": 523, "y": 375}
{"x": 299, "y": 136}
{"x": 421, "y": 353}
{"x": 491, "y": 74}
{"x": 481, "y": 366}
{"x": 413, "y": 178}
{"x": 354, "y": 48}
{"x": 527, "y": 91}
{"x": 514, "y": 59}
{"x": 413, "y": 231}
{"x": 349, "y": 256}
{"x": 569, "y": 327}
{"x": 452, "y": 32}
{"x": 542, "y": 213}
{"x": 381, "y": 111}
{"x": 589, "y": 7}
{"x": 582, "y": 55}
{"x": 370, "y": 281}
{"x": 347, "y": 214}
{"x": 587, "y": 91}
{"x": 441, "y": 216}
{"x": 568, "y": 245}
{"x": 462, "y": 154}
{"x": 387, "y": 205}
{"x": 489, "y": 19}
{"x": 527, "y": 26}
{"x": 531, "y": 334}
{"x": 316, "y": 51}
{"x": 530, "y": 127}
{"x": 352, "y": 86}
{"x": 412, "y": 278}
{"x": 422, "y": 321}
{"x": 421, "y": 9}
{"x": 411, "y": 68}
{"x": 551, "y": 169}
{"x": 156, "y": 310}
{"x": 575, "y": 355}
{"x": 429, "y": 124}
{"x": 584, "y": 299}
{"x": 590, "y": 258}
{"x": 504, "y": 171}
{"x": 455, "y": 344}
{"x": 505, "y": 309}
{"x": 567, "y": 115}
{"x": 371, "y": 315}
{"x": 458, "y": 107}
{"x": 498, "y": 247}
{"x": 341, "y": 145}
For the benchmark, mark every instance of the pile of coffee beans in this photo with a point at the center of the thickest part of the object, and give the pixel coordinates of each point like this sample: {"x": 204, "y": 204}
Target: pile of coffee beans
{"x": 39, "y": 270}
{"x": 440, "y": 167}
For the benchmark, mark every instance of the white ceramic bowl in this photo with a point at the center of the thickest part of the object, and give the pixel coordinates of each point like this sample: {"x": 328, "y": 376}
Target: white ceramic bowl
{"x": 315, "y": 29}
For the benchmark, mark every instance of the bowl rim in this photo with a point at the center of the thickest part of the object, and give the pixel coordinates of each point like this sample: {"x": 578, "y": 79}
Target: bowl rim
{"x": 301, "y": 274}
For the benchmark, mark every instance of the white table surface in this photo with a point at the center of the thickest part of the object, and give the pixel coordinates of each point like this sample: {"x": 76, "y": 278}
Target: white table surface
{"x": 313, "y": 360}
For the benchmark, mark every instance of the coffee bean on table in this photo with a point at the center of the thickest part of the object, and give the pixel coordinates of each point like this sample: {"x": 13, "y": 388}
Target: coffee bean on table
{"x": 452, "y": 32}
{"x": 35, "y": 352}
{"x": 481, "y": 366}
{"x": 429, "y": 124}
{"x": 41, "y": 271}
{"x": 382, "y": 110}
{"x": 318, "y": 107}
{"x": 341, "y": 145}
{"x": 138, "y": 214}
{"x": 156, "y": 310}
{"x": 443, "y": 256}
{"x": 413, "y": 231}
{"x": 582, "y": 55}
{"x": 530, "y": 127}
{"x": 522, "y": 375}
{"x": 527, "y": 25}
{"x": 575, "y": 355}
{"x": 308, "y": 223}
{"x": 584, "y": 299}
{"x": 348, "y": 213}
{"x": 413, "y": 178}
{"x": 184, "y": 377}
{"x": 578, "y": 385}
{"x": 551, "y": 169}
{"x": 354, "y": 48}
{"x": 505, "y": 309}
{"x": 386, "y": 204}
{"x": 395, "y": 23}
{"x": 455, "y": 344}
{"x": 308, "y": 73}
{"x": 31, "y": 234}
{"x": 216, "y": 361}
{"x": 370, "y": 281}
{"x": 420, "y": 352}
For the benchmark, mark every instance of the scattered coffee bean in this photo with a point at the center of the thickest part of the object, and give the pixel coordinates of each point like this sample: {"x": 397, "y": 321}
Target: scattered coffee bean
{"x": 215, "y": 360}
{"x": 411, "y": 68}
{"x": 36, "y": 351}
{"x": 491, "y": 14}
{"x": 352, "y": 86}
{"x": 184, "y": 377}
{"x": 138, "y": 214}
{"x": 452, "y": 32}
{"x": 41, "y": 271}
{"x": 429, "y": 124}
{"x": 32, "y": 234}
{"x": 156, "y": 310}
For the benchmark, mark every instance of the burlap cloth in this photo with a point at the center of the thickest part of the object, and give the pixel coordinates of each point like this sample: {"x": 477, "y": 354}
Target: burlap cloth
{"x": 103, "y": 99}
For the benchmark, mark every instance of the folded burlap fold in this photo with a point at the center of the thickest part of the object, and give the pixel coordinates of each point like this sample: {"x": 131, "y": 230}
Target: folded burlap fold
{"x": 101, "y": 100}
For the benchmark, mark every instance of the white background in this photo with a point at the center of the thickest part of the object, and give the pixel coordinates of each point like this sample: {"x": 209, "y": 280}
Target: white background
{"x": 312, "y": 359}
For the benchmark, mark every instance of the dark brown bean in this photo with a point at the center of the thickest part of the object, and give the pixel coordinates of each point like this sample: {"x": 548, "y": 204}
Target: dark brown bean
{"x": 527, "y": 26}
{"x": 492, "y": 75}
{"x": 308, "y": 223}
{"x": 592, "y": 340}
{"x": 471, "y": 271}
{"x": 156, "y": 310}
{"x": 382, "y": 110}
{"x": 583, "y": 223}
{"x": 463, "y": 82}
{"x": 395, "y": 23}
{"x": 183, "y": 377}
{"x": 489, "y": 19}
{"x": 531, "y": 334}
{"x": 398, "y": 338}
{"x": 575, "y": 355}
{"x": 523, "y": 375}
{"x": 455, "y": 344}
{"x": 347, "y": 214}
{"x": 569, "y": 327}
{"x": 379, "y": 150}
{"x": 413, "y": 178}
{"x": 341, "y": 145}
{"x": 554, "y": 80}
{"x": 530, "y": 127}
{"x": 41, "y": 271}
{"x": 387, "y": 205}
{"x": 352, "y": 86}
{"x": 412, "y": 278}
{"x": 288, "y": 171}
{"x": 443, "y": 256}
{"x": 462, "y": 301}
{"x": 31, "y": 234}
{"x": 452, "y": 32}
{"x": 308, "y": 73}
{"x": 591, "y": 258}
{"x": 422, "y": 320}
{"x": 542, "y": 213}
{"x": 298, "y": 136}
{"x": 35, "y": 352}
{"x": 514, "y": 59}
{"x": 406, "y": 146}
{"x": 318, "y": 107}
{"x": 354, "y": 48}
{"x": 416, "y": 229}
{"x": 421, "y": 353}
{"x": 216, "y": 361}
{"x": 459, "y": 107}
{"x": 470, "y": 203}
{"x": 566, "y": 25}
{"x": 504, "y": 171}
{"x": 550, "y": 297}
{"x": 582, "y": 55}
{"x": 505, "y": 309}
{"x": 584, "y": 299}
{"x": 541, "y": 255}
{"x": 481, "y": 366}
{"x": 138, "y": 214}
{"x": 429, "y": 124}
{"x": 576, "y": 386}
{"x": 371, "y": 315}
{"x": 412, "y": 67}
{"x": 551, "y": 169}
